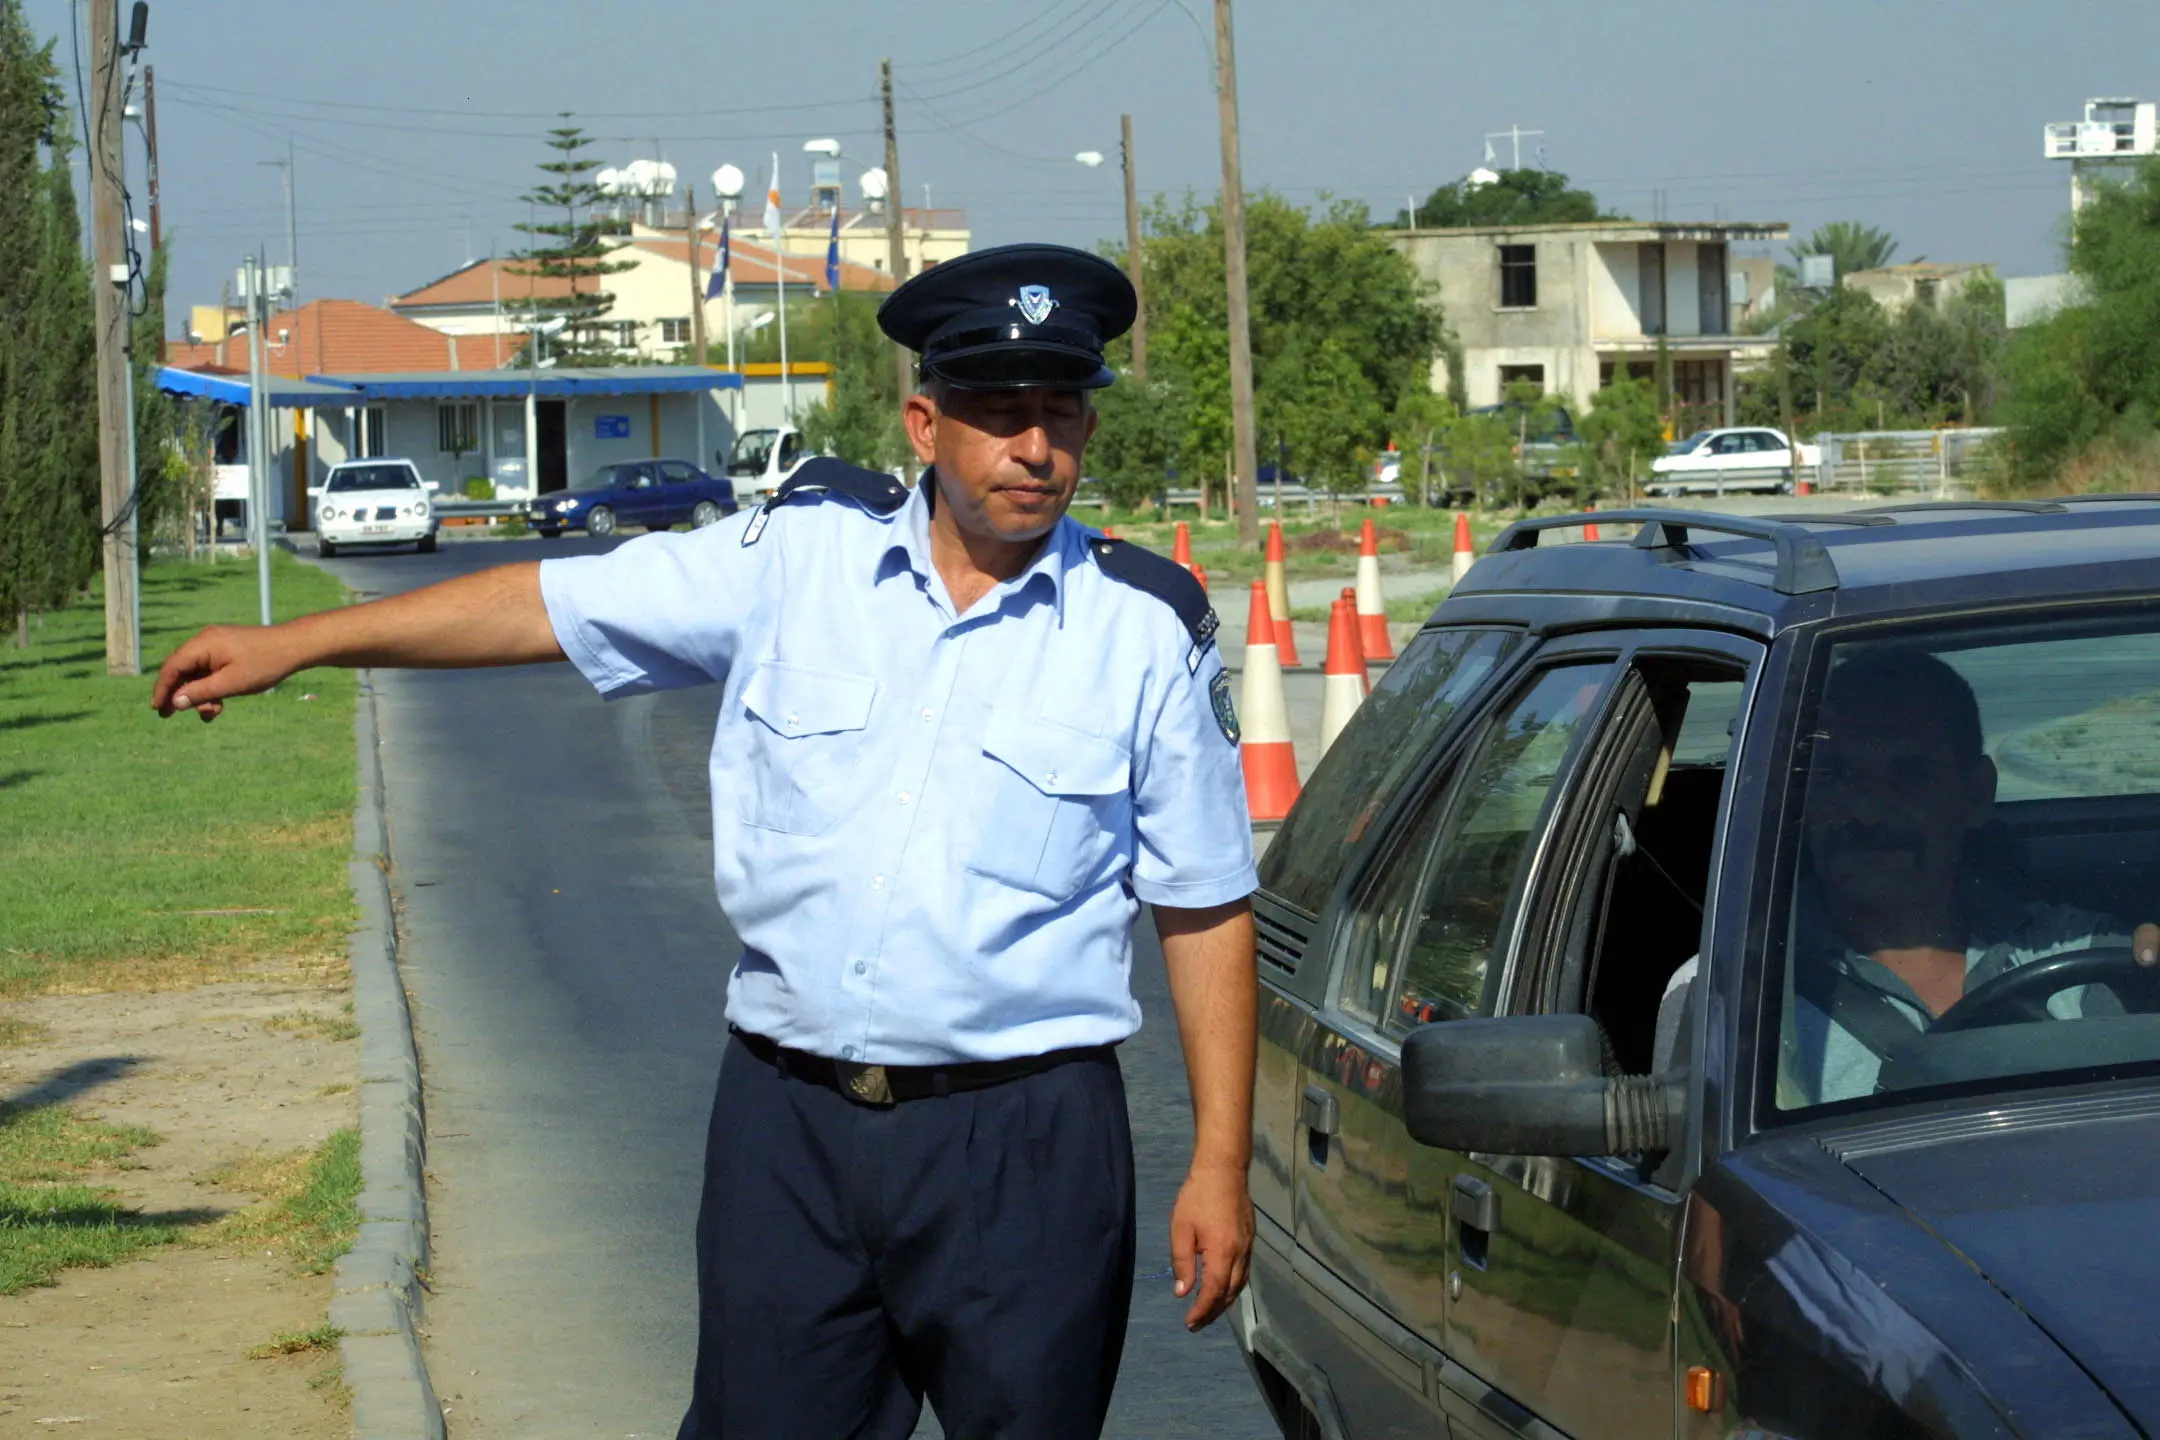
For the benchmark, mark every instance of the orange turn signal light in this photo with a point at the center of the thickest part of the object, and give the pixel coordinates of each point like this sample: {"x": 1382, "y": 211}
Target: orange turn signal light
{"x": 1705, "y": 1389}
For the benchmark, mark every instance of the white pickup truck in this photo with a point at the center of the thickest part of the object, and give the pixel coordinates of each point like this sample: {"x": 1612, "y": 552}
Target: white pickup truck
{"x": 763, "y": 459}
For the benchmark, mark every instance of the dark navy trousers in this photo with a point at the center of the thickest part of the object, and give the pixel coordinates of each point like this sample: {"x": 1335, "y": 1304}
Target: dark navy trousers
{"x": 975, "y": 1249}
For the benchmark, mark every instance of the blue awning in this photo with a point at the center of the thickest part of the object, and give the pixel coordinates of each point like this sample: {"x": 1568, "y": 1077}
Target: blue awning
{"x": 312, "y": 393}
{"x": 513, "y": 384}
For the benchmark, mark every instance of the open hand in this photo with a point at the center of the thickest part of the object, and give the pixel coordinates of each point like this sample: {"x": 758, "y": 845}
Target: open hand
{"x": 1211, "y": 1239}
{"x": 221, "y": 661}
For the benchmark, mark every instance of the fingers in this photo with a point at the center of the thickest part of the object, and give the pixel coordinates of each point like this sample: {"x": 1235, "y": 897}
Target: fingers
{"x": 2145, "y": 944}
{"x": 1215, "y": 1293}
{"x": 1181, "y": 1255}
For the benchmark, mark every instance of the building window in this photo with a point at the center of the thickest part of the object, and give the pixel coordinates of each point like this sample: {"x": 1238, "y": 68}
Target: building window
{"x": 369, "y": 443}
{"x": 675, "y": 332}
{"x": 1711, "y": 289}
{"x": 1518, "y": 277}
{"x": 457, "y": 427}
{"x": 1510, "y": 374}
{"x": 625, "y": 334}
{"x": 1651, "y": 287}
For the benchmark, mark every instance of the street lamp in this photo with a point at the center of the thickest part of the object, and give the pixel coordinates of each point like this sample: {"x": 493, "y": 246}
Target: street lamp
{"x": 1089, "y": 158}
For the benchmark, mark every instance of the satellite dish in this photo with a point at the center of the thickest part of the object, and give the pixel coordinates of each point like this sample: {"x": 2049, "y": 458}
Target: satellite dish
{"x": 1089, "y": 158}
{"x": 873, "y": 184}
{"x": 1479, "y": 178}
{"x": 827, "y": 147}
{"x": 663, "y": 178}
{"x": 609, "y": 181}
{"x": 727, "y": 182}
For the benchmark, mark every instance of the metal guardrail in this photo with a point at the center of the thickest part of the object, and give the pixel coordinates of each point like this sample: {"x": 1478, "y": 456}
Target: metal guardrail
{"x": 1895, "y": 460}
{"x": 1305, "y": 494}
{"x": 480, "y": 509}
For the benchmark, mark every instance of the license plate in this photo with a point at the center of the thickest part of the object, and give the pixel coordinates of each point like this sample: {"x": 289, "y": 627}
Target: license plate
{"x": 374, "y": 529}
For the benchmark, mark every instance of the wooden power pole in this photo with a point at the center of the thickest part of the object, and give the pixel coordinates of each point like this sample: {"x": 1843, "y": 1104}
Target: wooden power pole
{"x": 1132, "y": 254}
{"x": 896, "y": 247}
{"x": 123, "y": 647}
{"x": 691, "y": 241}
{"x": 1244, "y": 457}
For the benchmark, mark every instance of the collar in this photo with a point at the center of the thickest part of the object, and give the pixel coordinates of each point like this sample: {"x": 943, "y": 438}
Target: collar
{"x": 1062, "y": 548}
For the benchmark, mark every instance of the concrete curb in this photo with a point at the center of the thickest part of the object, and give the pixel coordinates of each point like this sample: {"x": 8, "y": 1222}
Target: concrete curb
{"x": 379, "y": 1295}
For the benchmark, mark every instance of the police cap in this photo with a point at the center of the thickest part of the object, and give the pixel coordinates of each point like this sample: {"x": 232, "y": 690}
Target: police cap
{"x": 1014, "y": 317}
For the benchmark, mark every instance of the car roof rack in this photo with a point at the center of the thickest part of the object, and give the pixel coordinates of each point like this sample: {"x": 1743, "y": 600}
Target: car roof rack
{"x": 1803, "y": 564}
{"x": 2110, "y": 497}
{"x": 1833, "y": 517}
{"x": 2014, "y": 507}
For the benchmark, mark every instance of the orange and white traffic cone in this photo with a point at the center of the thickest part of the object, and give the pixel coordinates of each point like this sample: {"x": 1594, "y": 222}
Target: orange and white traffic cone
{"x": 1465, "y": 553}
{"x": 1371, "y": 604}
{"x": 1181, "y": 545}
{"x": 1342, "y": 683}
{"x": 1589, "y": 531}
{"x": 1199, "y": 573}
{"x": 1108, "y": 533}
{"x": 1278, "y": 595}
{"x": 1264, "y": 750}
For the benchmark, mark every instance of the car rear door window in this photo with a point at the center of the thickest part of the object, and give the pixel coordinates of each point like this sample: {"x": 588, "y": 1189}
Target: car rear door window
{"x": 1382, "y": 747}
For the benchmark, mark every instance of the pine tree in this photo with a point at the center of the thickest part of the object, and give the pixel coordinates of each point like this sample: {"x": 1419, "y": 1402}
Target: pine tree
{"x": 572, "y": 246}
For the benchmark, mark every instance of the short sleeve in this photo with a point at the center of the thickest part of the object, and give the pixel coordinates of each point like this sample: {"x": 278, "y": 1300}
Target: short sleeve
{"x": 662, "y": 612}
{"x": 1194, "y": 834}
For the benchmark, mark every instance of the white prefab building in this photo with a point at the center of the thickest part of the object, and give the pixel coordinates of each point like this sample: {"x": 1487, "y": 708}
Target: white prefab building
{"x": 1567, "y": 307}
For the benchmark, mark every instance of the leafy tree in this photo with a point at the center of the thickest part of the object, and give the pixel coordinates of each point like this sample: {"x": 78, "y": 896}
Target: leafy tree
{"x": 571, "y": 245}
{"x": 1621, "y": 434}
{"x": 1518, "y": 197}
{"x": 1850, "y": 245}
{"x": 1421, "y": 418}
{"x": 1341, "y": 330}
{"x": 2091, "y": 374}
{"x": 1137, "y": 439}
{"x": 1481, "y": 457}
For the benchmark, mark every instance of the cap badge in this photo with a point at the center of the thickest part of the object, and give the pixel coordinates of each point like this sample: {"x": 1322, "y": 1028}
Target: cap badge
{"x": 1035, "y": 303}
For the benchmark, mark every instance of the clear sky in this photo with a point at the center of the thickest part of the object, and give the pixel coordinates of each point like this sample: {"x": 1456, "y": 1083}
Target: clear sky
{"x": 415, "y": 125}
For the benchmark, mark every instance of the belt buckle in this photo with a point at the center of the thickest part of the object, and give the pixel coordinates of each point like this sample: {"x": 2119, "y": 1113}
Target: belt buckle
{"x": 867, "y": 1083}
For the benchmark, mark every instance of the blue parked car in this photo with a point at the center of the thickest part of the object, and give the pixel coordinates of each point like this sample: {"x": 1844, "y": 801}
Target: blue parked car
{"x": 651, "y": 493}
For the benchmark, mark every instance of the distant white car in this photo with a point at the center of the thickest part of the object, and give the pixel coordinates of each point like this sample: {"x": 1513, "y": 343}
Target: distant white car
{"x": 374, "y": 502}
{"x": 1741, "y": 458}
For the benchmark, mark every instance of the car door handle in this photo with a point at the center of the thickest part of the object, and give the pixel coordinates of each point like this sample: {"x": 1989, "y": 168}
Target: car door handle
{"x": 1474, "y": 1204}
{"x": 1319, "y": 1111}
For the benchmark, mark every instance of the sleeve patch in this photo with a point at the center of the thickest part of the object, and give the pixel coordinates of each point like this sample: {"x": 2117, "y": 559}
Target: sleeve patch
{"x": 1225, "y": 712}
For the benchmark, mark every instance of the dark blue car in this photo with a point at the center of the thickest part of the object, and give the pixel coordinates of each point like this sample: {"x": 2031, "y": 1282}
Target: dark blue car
{"x": 652, "y": 493}
{"x": 1706, "y": 991}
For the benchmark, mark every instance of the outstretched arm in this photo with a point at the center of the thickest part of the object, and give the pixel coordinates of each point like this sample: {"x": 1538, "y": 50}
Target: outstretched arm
{"x": 1215, "y": 991}
{"x": 495, "y": 617}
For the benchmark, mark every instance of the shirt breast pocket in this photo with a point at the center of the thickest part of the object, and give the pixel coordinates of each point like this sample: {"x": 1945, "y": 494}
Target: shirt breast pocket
{"x": 1059, "y": 805}
{"x": 804, "y": 745}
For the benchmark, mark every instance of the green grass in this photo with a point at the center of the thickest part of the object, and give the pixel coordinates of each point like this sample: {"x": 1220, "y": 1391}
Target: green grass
{"x": 121, "y": 828}
{"x": 49, "y": 1223}
{"x": 296, "y": 1342}
{"x": 312, "y": 1202}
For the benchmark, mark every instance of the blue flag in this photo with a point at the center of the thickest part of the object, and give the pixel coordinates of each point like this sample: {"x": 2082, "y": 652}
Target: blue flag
{"x": 832, "y": 253}
{"x": 718, "y": 282}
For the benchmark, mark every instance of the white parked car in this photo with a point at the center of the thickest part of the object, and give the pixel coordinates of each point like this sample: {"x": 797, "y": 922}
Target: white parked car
{"x": 374, "y": 502}
{"x": 1741, "y": 458}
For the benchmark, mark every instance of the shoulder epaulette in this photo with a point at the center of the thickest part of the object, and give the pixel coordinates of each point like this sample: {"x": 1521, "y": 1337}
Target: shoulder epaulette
{"x": 1168, "y": 582}
{"x": 822, "y": 475}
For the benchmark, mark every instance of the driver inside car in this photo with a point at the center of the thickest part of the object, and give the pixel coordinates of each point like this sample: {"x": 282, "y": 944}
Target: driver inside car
{"x": 1901, "y": 912}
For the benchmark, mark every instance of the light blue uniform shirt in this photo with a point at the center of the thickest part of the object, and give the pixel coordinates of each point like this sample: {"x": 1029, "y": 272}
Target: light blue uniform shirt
{"x": 932, "y": 832}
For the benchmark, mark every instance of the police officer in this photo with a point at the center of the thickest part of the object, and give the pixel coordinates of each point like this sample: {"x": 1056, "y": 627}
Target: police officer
{"x": 962, "y": 739}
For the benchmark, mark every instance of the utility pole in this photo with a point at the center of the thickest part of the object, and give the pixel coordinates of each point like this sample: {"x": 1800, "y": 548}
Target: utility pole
{"x": 115, "y": 371}
{"x": 1244, "y": 457}
{"x": 1132, "y": 255}
{"x": 896, "y": 247}
{"x": 258, "y": 309}
{"x": 157, "y": 231}
{"x": 697, "y": 286}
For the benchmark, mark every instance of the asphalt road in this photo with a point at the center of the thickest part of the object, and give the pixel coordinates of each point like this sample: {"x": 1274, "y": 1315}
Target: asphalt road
{"x": 567, "y": 962}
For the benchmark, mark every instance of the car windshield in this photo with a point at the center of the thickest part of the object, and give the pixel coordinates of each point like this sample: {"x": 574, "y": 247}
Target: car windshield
{"x": 372, "y": 477}
{"x": 1974, "y": 857}
{"x": 1687, "y": 446}
{"x": 752, "y": 449}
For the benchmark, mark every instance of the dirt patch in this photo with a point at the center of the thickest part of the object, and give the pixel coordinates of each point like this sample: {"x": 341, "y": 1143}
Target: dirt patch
{"x": 1343, "y": 542}
{"x": 235, "y": 1080}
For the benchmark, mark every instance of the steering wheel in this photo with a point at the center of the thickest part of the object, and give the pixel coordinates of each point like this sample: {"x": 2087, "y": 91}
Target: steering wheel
{"x": 2022, "y": 994}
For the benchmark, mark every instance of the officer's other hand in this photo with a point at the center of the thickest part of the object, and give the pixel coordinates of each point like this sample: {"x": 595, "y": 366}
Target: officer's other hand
{"x": 2145, "y": 944}
{"x": 1211, "y": 1239}
{"x": 222, "y": 661}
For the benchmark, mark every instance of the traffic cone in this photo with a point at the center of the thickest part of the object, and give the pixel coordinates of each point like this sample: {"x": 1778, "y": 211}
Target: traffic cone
{"x": 1181, "y": 547}
{"x": 1199, "y": 573}
{"x": 1589, "y": 531}
{"x": 1108, "y": 533}
{"x": 1349, "y": 593}
{"x": 1264, "y": 751}
{"x": 1371, "y": 605}
{"x": 1278, "y": 595}
{"x": 1465, "y": 554}
{"x": 1342, "y": 683}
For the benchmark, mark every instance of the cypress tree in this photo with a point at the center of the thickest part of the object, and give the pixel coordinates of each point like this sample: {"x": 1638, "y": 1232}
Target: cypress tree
{"x": 571, "y": 245}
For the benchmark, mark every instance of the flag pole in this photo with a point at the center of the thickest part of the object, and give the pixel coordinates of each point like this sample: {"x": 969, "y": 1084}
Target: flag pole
{"x": 776, "y": 228}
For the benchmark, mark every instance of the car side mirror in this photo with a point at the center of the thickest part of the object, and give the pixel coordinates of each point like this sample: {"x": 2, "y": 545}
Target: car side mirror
{"x": 433, "y": 486}
{"x": 315, "y": 490}
{"x": 1532, "y": 1085}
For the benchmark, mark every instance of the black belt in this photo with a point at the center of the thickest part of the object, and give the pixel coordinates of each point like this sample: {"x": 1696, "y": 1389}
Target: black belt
{"x": 892, "y": 1084}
